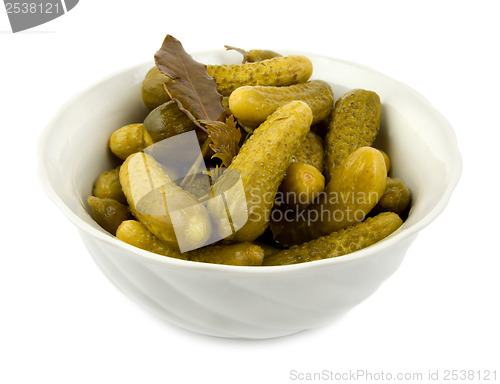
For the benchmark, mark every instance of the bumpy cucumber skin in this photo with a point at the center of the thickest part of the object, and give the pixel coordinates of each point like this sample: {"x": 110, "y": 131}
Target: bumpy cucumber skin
{"x": 168, "y": 120}
{"x": 396, "y": 197}
{"x": 245, "y": 254}
{"x": 252, "y": 104}
{"x": 311, "y": 151}
{"x": 355, "y": 123}
{"x": 286, "y": 70}
{"x": 108, "y": 213}
{"x": 261, "y": 164}
{"x": 356, "y": 187}
{"x": 339, "y": 243}
{"x": 154, "y": 187}
{"x": 277, "y": 71}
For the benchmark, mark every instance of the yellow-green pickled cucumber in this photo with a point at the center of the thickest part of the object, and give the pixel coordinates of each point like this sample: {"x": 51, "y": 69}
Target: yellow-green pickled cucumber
{"x": 387, "y": 160}
{"x": 355, "y": 188}
{"x": 234, "y": 254}
{"x": 153, "y": 91}
{"x": 311, "y": 151}
{"x": 355, "y": 123}
{"x": 108, "y": 185}
{"x": 129, "y": 139}
{"x": 301, "y": 185}
{"x": 277, "y": 71}
{"x": 252, "y": 104}
{"x": 108, "y": 213}
{"x": 261, "y": 164}
{"x": 153, "y": 199}
{"x": 339, "y": 243}
{"x": 168, "y": 120}
{"x": 134, "y": 233}
{"x": 268, "y": 249}
{"x": 396, "y": 197}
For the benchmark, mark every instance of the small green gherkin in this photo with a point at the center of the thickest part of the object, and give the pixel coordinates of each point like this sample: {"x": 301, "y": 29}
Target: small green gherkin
{"x": 261, "y": 164}
{"x": 108, "y": 212}
{"x": 168, "y": 120}
{"x": 252, "y": 104}
{"x": 355, "y": 123}
{"x": 286, "y": 70}
{"x": 134, "y": 233}
{"x": 278, "y": 71}
{"x": 396, "y": 197}
{"x": 339, "y": 243}
{"x": 311, "y": 151}
{"x": 108, "y": 185}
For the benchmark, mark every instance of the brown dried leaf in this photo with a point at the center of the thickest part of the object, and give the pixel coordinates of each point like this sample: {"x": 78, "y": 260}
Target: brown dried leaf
{"x": 194, "y": 91}
{"x": 225, "y": 137}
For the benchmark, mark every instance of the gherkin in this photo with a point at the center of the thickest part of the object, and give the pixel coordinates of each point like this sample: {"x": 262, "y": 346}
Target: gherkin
{"x": 301, "y": 185}
{"x": 356, "y": 187}
{"x": 252, "y": 104}
{"x": 108, "y": 212}
{"x": 311, "y": 151}
{"x": 355, "y": 123}
{"x": 134, "y": 233}
{"x": 108, "y": 185}
{"x": 396, "y": 197}
{"x": 277, "y": 71}
{"x": 261, "y": 164}
{"x": 168, "y": 120}
{"x": 342, "y": 242}
{"x": 158, "y": 203}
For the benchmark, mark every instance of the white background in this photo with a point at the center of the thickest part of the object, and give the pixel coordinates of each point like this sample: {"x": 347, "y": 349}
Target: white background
{"x": 61, "y": 321}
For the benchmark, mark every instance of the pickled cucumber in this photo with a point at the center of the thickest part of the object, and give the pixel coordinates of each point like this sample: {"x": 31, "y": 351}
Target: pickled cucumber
{"x": 252, "y": 104}
{"x": 168, "y": 120}
{"x": 108, "y": 213}
{"x": 234, "y": 254}
{"x": 339, "y": 243}
{"x": 277, "y": 71}
{"x": 129, "y": 139}
{"x": 355, "y": 123}
{"x": 134, "y": 233}
{"x": 311, "y": 151}
{"x": 268, "y": 249}
{"x": 149, "y": 190}
{"x": 108, "y": 185}
{"x": 396, "y": 197}
{"x": 387, "y": 160}
{"x": 301, "y": 185}
{"x": 153, "y": 91}
{"x": 261, "y": 164}
{"x": 286, "y": 70}
{"x": 356, "y": 187}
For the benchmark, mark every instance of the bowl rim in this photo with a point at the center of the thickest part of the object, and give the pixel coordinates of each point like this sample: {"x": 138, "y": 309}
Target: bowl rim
{"x": 398, "y": 236}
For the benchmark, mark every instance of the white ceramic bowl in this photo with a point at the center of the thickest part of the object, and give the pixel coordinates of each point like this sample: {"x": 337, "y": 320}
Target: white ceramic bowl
{"x": 248, "y": 302}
